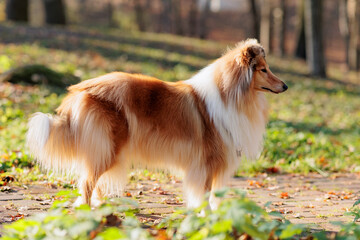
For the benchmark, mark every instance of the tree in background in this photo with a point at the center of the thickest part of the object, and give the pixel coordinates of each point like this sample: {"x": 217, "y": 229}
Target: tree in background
{"x": 349, "y": 17}
{"x": 255, "y": 18}
{"x": 354, "y": 39}
{"x": 82, "y": 8}
{"x": 165, "y": 19}
{"x": 139, "y": 15}
{"x": 203, "y": 31}
{"x": 344, "y": 26}
{"x": 176, "y": 7}
{"x": 17, "y": 10}
{"x": 265, "y": 25}
{"x": 111, "y": 13}
{"x": 54, "y": 12}
{"x": 314, "y": 40}
{"x": 193, "y": 13}
{"x": 282, "y": 25}
{"x": 300, "y": 50}
{"x": 279, "y": 27}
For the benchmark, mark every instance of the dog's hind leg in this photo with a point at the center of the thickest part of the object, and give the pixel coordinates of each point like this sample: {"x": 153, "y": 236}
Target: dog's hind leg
{"x": 89, "y": 178}
{"x": 111, "y": 182}
{"x": 97, "y": 196}
{"x": 101, "y": 130}
{"x": 86, "y": 187}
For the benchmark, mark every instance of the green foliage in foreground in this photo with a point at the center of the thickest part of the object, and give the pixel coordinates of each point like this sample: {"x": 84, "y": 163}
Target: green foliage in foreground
{"x": 236, "y": 217}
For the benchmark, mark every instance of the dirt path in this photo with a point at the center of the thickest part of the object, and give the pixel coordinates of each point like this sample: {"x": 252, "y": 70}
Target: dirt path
{"x": 301, "y": 199}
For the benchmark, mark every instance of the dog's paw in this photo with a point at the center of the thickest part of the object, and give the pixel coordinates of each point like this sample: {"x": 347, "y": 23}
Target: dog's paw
{"x": 79, "y": 201}
{"x": 96, "y": 202}
{"x": 214, "y": 202}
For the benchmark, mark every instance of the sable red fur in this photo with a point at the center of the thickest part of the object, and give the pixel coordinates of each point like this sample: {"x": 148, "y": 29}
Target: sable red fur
{"x": 200, "y": 126}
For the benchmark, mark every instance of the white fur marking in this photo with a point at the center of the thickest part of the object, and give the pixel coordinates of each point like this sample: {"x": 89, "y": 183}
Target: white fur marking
{"x": 38, "y": 133}
{"x": 235, "y": 128}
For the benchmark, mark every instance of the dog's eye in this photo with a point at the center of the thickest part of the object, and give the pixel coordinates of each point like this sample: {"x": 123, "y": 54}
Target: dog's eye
{"x": 263, "y": 70}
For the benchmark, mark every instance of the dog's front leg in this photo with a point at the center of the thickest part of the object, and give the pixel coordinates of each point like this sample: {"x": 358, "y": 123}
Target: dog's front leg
{"x": 195, "y": 187}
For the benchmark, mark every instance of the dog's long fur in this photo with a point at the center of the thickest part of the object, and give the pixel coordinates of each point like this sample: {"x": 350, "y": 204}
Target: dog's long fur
{"x": 200, "y": 126}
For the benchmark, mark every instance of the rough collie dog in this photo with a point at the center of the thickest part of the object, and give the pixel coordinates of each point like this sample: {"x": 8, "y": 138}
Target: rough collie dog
{"x": 202, "y": 126}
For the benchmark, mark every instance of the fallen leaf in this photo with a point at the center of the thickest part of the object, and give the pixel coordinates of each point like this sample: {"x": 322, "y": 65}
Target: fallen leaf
{"x": 245, "y": 237}
{"x": 8, "y": 179}
{"x": 161, "y": 235}
{"x": 272, "y": 170}
{"x": 17, "y": 217}
{"x": 289, "y": 152}
{"x": 309, "y": 206}
{"x": 6, "y": 189}
{"x": 255, "y": 183}
{"x": 157, "y": 189}
{"x": 284, "y": 195}
{"x": 171, "y": 201}
{"x": 127, "y": 194}
{"x": 278, "y": 203}
{"x": 282, "y": 211}
{"x": 113, "y": 220}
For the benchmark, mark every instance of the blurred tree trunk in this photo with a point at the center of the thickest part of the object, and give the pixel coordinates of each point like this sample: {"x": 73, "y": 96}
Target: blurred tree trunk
{"x": 354, "y": 41}
{"x": 111, "y": 14}
{"x": 203, "y": 31}
{"x": 176, "y": 6}
{"x": 139, "y": 15}
{"x": 82, "y": 10}
{"x": 193, "y": 12}
{"x": 152, "y": 15}
{"x": 54, "y": 12}
{"x": 165, "y": 20}
{"x": 314, "y": 39}
{"x": 17, "y": 10}
{"x": 282, "y": 37}
{"x": 344, "y": 26}
{"x": 255, "y": 18}
{"x": 37, "y": 13}
{"x": 279, "y": 27}
{"x": 300, "y": 50}
{"x": 265, "y": 25}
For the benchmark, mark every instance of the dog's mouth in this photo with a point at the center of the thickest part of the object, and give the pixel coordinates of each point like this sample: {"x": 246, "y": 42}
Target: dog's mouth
{"x": 268, "y": 89}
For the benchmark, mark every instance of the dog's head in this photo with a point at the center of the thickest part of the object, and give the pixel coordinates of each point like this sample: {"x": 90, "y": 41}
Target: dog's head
{"x": 244, "y": 70}
{"x": 250, "y": 57}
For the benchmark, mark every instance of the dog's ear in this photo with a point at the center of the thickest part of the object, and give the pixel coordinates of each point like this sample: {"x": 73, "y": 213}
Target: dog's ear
{"x": 247, "y": 55}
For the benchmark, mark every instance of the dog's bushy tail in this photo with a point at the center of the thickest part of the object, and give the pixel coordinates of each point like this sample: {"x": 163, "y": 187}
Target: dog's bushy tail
{"x": 77, "y": 140}
{"x": 51, "y": 142}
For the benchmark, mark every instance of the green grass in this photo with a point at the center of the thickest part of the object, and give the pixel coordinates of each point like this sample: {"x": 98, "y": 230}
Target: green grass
{"x": 314, "y": 126}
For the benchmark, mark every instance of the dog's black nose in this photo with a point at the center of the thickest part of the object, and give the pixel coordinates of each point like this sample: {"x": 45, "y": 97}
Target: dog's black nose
{"x": 285, "y": 87}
